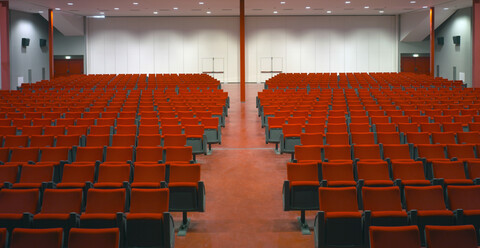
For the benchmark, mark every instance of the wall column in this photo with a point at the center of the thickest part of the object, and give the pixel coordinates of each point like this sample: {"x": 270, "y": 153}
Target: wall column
{"x": 50, "y": 43}
{"x": 476, "y": 44}
{"x": 432, "y": 41}
{"x": 242, "y": 50}
{"x": 5, "y": 44}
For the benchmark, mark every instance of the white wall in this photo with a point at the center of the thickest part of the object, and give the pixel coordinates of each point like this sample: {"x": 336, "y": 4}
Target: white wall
{"x": 162, "y": 44}
{"x": 302, "y": 43}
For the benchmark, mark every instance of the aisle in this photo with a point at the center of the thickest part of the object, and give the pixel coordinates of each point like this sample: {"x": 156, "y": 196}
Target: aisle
{"x": 243, "y": 179}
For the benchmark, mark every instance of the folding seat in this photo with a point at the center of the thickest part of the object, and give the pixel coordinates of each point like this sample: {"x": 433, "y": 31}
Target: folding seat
{"x": 8, "y": 174}
{"x": 196, "y": 138}
{"x": 373, "y": 173}
{"x": 31, "y": 115}
{"x": 41, "y": 122}
{"x": 273, "y": 129}
{"x": 358, "y": 112}
{"x": 149, "y": 121}
{"x": 113, "y": 115}
{"x": 77, "y": 176}
{"x": 408, "y": 128}
{"x": 388, "y": 138}
{"x": 339, "y": 221}
{"x": 123, "y": 140}
{"x": 104, "y": 209}
{"x": 97, "y": 140}
{"x": 367, "y": 152}
{"x": 100, "y": 130}
{"x": 17, "y": 207}
{"x": 54, "y": 130}
{"x": 337, "y": 139}
{"x": 430, "y": 153}
{"x": 16, "y": 141}
{"x": 450, "y": 236}
{"x": 65, "y": 122}
{"x": 409, "y": 173}
{"x": 300, "y": 190}
{"x": 359, "y": 120}
{"x": 359, "y": 128}
{"x": 464, "y": 201}
{"x": 212, "y": 130}
{"x": 126, "y": 129}
{"x": 337, "y": 174}
{"x": 468, "y": 138}
{"x": 149, "y": 129}
{"x": 60, "y": 208}
{"x": 443, "y": 138}
{"x": 41, "y": 141}
{"x": 455, "y": 127}
{"x": 128, "y": 114}
{"x": 149, "y": 223}
{"x": 426, "y": 206}
{"x": 362, "y": 138}
{"x": 337, "y": 113}
{"x": 394, "y": 236}
{"x": 88, "y": 154}
{"x": 380, "y": 119}
{"x": 418, "y": 138}
{"x": 177, "y": 154}
{"x": 474, "y": 127}
{"x": 106, "y": 122}
{"x": 308, "y": 153}
{"x": 169, "y": 121}
{"x": 51, "y": 115}
{"x": 25, "y": 237}
{"x": 419, "y": 119}
{"x": 385, "y": 127}
{"x": 125, "y": 121}
{"x": 20, "y": 156}
{"x": 165, "y": 114}
{"x": 150, "y": 140}
{"x": 113, "y": 176}
{"x": 77, "y": 130}
{"x": 290, "y": 137}
{"x": 20, "y": 123}
{"x": 94, "y": 238}
{"x": 469, "y": 111}
{"x": 171, "y": 129}
{"x": 449, "y": 172}
{"x": 4, "y": 130}
{"x": 187, "y": 192}
{"x": 35, "y": 176}
{"x": 4, "y": 154}
{"x": 73, "y": 115}
{"x": 149, "y": 155}
{"x": 461, "y": 152}
{"x": 119, "y": 154}
{"x": 54, "y": 155}
{"x": 399, "y": 119}
{"x": 85, "y": 122}
{"x": 314, "y": 128}
{"x": 32, "y": 130}
{"x": 148, "y": 174}
{"x": 443, "y": 119}
{"x": 93, "y": 115}
{"x": 311, "y": 139}
{"x": 337, "y": 128}
{"x": 337, "y": 153}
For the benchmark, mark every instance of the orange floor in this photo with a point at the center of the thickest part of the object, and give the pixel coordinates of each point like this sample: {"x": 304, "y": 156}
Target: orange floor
{"x": 243, "y": 179}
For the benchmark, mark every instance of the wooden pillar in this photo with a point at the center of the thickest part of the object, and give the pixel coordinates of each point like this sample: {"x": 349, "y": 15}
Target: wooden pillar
{"x": 432, "y": 41}
{"x": 476, "y": 44}
{"x": 242, "y": 50}
{"x": 50, "y": 43}
{"x": 5, "y": 45}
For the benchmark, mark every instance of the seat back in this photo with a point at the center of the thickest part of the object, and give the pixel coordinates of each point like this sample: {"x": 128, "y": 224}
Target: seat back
{"x": 149, "y": 200}
{"x": 26, "y": 237}
{"x": 94, "y": 238}
{"x": 381, "y": 199}
{"x": 424, "y": 198}
{"x": 104, "y": 201}
{"x": 62, "y": 201}
{"x": 343, "y": 199}
{"x": 394, "y": 236}
{"x": 451, "y": 236}
{"x": 19, "y": 201}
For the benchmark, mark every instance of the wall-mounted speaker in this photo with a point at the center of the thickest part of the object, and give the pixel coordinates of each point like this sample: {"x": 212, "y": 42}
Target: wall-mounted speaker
{"x": 456, "y": 40}
{"x": 25, "y": 42}
{"x": 43, "y": 42}
{"x": 440, "y": 41}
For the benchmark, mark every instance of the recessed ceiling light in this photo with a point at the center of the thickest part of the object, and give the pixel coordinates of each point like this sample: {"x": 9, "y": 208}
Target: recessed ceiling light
{"x": 381, "y": 11}
{"x": 308, "y": 7}
{"x": 102, "y": 13}
{"x": 366, "y": 7}
{"x": 347, "y": 2}
{"x": 413, "y": 1}
{"x": 425, "y": 7}
{"x": 275, "y": 12}
{"x": 445, "y": 8}
{"x": 415, "y": 55}
{"x": 69, "y": 4}
{"x": 175, "y": 8}
{"x": 201, "y": 3}
{"x": 329, "y": 11}
{"x": 209, "y": 12}
{"x": 116, "y": 8}
{"x": 155, "y": 12}
{"x": 282, "y": 2}
{"x": 40, "y": 11}
{"x": 135, "y": 3}
{"x": 57, "y": 9}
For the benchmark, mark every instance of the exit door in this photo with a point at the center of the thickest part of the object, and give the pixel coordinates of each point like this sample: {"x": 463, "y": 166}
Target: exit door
{"x": 418, "y": 65}
{"x": 67, "y": 67}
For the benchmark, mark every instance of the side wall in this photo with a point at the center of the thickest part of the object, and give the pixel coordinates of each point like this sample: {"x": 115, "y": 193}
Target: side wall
{"x": 32, "y": 57}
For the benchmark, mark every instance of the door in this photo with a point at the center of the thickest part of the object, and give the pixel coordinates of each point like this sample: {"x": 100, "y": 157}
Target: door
{"x": 418, "y": 65}
{"x": 67, "y": 67}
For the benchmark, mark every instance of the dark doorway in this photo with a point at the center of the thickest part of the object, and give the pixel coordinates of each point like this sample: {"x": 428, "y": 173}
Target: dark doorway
{"x": 419, "y": 64}
{"x": 68, "y": 65}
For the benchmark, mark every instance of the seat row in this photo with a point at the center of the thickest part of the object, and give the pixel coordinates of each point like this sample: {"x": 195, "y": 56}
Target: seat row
{"x": 54, "y": 238}
{"x": 67, "y": 209}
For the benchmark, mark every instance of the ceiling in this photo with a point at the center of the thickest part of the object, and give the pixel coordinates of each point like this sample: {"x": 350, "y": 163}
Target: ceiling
{"x": 231, "y": 7}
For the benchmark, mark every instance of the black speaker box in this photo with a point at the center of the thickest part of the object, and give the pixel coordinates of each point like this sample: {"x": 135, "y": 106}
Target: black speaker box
{"x": 25, "y": 42}
{"x": 43, "y": 42}
{"x": 440, "y": 41}
{"x": 456, "y": 40}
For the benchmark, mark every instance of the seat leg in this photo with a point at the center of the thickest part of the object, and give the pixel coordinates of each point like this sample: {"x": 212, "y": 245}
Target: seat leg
{"x": 209, "y": 151}
{"x": 182, "y": 230}
{"x": 303, "y": 223}
{"x": 277, "y": 150}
